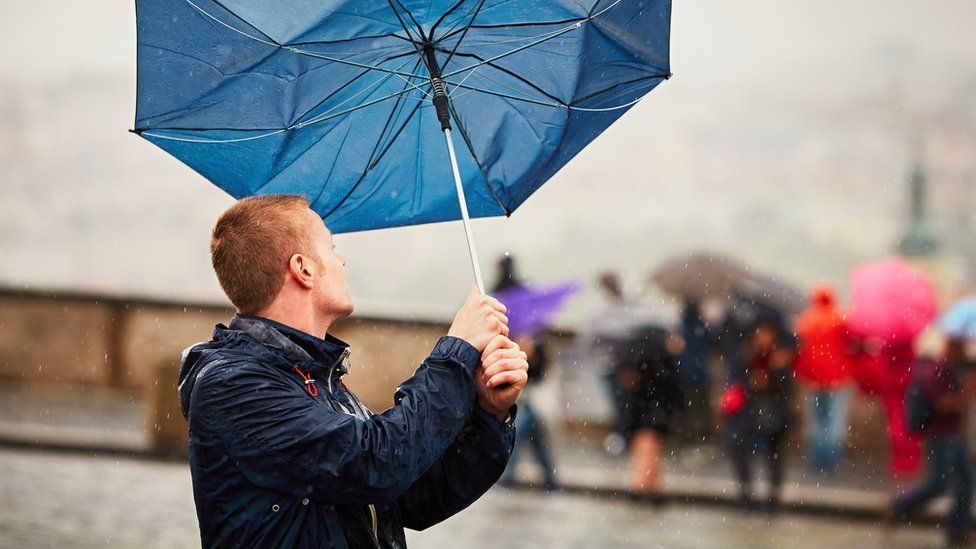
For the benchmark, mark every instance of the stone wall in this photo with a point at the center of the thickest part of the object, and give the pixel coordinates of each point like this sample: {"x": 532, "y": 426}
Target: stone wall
{"x": 73, "y": 342}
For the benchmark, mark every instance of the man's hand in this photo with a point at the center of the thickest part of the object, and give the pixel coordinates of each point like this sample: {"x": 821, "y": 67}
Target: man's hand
{"x": 481, "y": 318}
{"x": 501, "y": 377}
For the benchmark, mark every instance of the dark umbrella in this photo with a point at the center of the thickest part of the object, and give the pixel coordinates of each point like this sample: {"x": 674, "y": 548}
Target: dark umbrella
{"x": 700, "y": 274}
{"x": 774, "y": 292}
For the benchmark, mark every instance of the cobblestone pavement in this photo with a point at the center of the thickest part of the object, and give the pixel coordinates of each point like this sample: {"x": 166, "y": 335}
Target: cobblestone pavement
{"x": 69, "y": 500}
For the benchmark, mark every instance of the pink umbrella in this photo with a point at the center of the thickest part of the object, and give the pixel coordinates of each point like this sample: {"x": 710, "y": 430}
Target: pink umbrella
{"x": 890, "y": 301}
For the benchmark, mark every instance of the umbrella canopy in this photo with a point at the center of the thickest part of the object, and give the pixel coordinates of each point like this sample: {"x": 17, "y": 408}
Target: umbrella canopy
{"x": 959, "y": 320}
{"x": 701, "y": 274}
{"x": 774, "y": 292}
{"x": 332, "y": 100}
{"x": 891, "y": 301}
{"x": 533, "y": 308}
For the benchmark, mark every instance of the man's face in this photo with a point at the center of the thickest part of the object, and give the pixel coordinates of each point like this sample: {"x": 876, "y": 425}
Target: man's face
{"x": 331, "y": 293}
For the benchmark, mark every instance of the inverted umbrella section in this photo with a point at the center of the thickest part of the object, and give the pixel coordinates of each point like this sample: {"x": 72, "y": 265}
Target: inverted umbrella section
{"x": 394, "y": 72}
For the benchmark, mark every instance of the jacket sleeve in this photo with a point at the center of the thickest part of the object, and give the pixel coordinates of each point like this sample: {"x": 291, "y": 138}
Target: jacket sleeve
{"x": 463, "y": 474}
{"x": 283, "y": 441}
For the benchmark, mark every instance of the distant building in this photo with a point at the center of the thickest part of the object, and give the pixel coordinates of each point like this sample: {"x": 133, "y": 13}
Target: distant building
{"x": 919, "y": 240}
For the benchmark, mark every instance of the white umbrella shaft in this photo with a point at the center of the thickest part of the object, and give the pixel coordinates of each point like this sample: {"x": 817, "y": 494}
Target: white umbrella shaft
{"x": 472, "y": 251}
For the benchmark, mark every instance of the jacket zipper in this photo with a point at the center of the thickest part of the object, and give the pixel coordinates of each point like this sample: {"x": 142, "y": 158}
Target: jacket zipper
{"x": 372, "y": 508}
{"x": 342, "y": 357}
{"x": 372, "y": 512}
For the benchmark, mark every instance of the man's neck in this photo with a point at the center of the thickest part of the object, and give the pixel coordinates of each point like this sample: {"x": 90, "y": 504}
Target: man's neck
{"x": 304, "y": 320}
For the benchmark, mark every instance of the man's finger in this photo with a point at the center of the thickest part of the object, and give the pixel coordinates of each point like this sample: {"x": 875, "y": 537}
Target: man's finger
{"x": 504, "y": 366}
{"x": 500, "y": 316}
{"x": 495, "y": 304}
{"x": 497, "y": 342}
{"x": 514, "y": 377}
{"x": 499, "y": 354}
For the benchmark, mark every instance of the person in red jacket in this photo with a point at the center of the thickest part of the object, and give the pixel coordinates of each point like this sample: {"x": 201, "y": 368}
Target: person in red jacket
{"x": 823, "y": 364}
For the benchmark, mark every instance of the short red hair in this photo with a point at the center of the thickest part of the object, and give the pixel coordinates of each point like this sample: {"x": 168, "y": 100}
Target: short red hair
{"x": 252, "y": 243}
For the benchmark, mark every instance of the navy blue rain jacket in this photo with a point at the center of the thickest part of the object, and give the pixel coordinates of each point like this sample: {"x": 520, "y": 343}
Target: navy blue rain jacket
{"x": 278, "y": 460}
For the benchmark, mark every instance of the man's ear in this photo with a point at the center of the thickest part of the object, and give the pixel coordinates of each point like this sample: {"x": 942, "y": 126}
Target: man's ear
{"x": 300, "y": 269}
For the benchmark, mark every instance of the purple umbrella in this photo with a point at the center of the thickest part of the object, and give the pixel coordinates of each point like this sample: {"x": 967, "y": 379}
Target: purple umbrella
{"x": 532, "y": 308}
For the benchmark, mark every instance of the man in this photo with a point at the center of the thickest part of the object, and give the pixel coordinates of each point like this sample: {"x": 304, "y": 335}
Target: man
{"x": 282, "y": 454}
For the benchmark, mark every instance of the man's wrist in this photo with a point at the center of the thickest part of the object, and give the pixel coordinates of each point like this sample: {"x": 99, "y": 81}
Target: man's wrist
{"x": 502, "y": 415}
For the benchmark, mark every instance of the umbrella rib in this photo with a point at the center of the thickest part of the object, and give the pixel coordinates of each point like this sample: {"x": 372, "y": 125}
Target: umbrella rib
{"x": 512, "y": 74}
{"x": 517, "y": 24}
{"x": 455, "y": 28}
{"x": 543, "y": 103}
{"x": 618, "y": 84}
{"x": 316, "y": 142}
{"x": 477, "y": 162}
{"x": 347, "y": 133}
{"x": 355, "y": 78}
{"x": 353, "y": 109}
{"x": 208, "y": 141}
{"x": 555, "y": 34}
{"x": 293, "y": 49}
{"x": 295, "y": 127}
{"x": 393, "y": 114}
{"x": 420, "y": 30}
{"x": 343, "y": 40}
{"x": 441, "y": 19}
{"x": 374, "y": 84}
{"x": 270, "y": 41}
{"x": 403, "y": 24}
{"x": 505, "y": 95}
{"x": 464, "y": 33}
{"x": 370, "y": 166}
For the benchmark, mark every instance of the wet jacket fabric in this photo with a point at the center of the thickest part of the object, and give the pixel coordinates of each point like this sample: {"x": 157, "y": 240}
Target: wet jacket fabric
{"x": 822, "y": 358}
{"x": 767, "y": 411}
{"x": 282, "y": 454}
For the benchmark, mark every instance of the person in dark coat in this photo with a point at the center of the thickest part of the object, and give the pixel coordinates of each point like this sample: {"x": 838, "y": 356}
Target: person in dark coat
{"x": 530, "y": 429}
{"x": 693, "y": 368}
{"x": 653, "y": 403}
{"x": 938, "y": 389}
{"x": 282, "y": 453}
{"x": 761, "y": 424}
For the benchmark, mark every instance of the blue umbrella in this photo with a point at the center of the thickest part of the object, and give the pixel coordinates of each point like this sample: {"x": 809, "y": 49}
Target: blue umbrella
{"x": 959, "y": 320}
{"x": 345, "y": 102}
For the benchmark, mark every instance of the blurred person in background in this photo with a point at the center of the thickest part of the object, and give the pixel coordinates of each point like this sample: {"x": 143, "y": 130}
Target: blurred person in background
{"x": 823, "y": 364}
{"x": 529, "y": 427}
{"x": 508, "y": 276}
{"x": 936, "y": 407}
{"x": 654, "y": 400}
{"x": 612, "y": 330}
{"x": 694, "y": 372}
{"x": 758, "y": 409}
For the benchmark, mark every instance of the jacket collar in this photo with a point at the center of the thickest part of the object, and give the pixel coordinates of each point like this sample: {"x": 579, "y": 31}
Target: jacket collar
{"x": 294, "y": 344}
